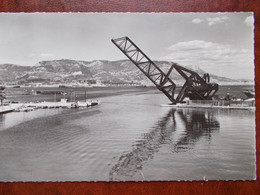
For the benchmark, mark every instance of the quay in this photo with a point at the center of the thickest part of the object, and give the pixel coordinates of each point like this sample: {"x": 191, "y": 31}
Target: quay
{"x": 8, "y": 108}
{"x": 26, "y": 107}
{"x": 215, "y": 104}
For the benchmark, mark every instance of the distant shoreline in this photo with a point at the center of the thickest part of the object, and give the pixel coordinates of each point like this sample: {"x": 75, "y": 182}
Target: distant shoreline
{"x": 79, "y": 94}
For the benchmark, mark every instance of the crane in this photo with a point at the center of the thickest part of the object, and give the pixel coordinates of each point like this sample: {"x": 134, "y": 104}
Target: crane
{"x": 195, "y": 87}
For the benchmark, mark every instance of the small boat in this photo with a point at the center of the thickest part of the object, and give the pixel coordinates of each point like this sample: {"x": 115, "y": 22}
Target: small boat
{"x": 74, "y": 105}
{"x": 94, "y": 103}
{"x": 88, "y": 103}
{"x": 29, "y": 92}
{"x": 49, "y": 92}
{"x": 83, "y": 104}
{"x": 249, "y": 94}
{"x": 5, "y": 109}
{"x": 2, "y": 87}
{"x": 24, "y": 109}
{"x": 64, "y": 86}
{"x": 16, "y": 86}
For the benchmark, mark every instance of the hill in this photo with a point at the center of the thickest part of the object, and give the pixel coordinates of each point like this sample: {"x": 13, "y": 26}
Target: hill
{"x": 106, "y": 72}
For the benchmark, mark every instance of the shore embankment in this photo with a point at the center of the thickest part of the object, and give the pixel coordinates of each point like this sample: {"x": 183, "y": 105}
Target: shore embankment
{"x": 29, "y": 94}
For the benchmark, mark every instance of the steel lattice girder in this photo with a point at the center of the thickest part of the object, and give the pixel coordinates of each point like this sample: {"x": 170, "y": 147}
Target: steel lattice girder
{"x": 147, "y": 66}
{"x": 195, "y": 87}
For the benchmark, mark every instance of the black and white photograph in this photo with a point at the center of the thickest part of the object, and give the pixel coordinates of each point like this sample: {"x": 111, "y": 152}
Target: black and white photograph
{"x": 127, "y": 97}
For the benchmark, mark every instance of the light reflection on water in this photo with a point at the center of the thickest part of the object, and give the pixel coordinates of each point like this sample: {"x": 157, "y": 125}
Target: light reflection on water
{"x": 127, "y": 137}
{"x": 197, "y": 125}
{"x": 15, "y": 118}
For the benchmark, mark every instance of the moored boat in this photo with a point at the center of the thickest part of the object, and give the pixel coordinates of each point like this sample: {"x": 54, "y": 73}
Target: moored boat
{"x": 88, "y": 103}
{"x": 249, "y": 94}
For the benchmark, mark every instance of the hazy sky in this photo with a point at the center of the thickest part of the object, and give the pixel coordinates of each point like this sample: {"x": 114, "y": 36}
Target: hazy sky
{"x": 221, "y": 43}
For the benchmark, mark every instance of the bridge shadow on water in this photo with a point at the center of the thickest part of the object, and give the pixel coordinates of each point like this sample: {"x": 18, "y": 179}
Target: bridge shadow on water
{"x": 193, "y": 124}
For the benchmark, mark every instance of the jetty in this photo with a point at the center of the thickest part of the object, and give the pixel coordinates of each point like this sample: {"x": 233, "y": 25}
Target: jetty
{"x": 26, "y": 107}
{"x": 215, "y": 104}
{"x": 6, "y": 109}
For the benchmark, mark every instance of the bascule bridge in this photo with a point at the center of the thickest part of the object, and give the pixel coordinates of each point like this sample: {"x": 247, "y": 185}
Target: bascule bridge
{"x": 195, "y": 87}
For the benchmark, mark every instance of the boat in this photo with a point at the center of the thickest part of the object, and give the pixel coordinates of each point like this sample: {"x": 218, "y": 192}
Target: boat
{"x": 84, "y": 104}
{"x": 88, "y": 103}
{"x": 249, "y": 94}
{"x": 2, "y": 87}
{"x": 29, "y": 92}
{"x": 16, "y": 86}
{"x": 6, "y": 109}
{"x": 24, "y": 109}
{"x": 95, "y": 102}
{"x": 49, "y": 92}
{"x": 64, "y": 86}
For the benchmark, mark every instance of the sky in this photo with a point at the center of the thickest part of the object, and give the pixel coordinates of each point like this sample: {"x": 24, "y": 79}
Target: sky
{"x": 220, "y": 43}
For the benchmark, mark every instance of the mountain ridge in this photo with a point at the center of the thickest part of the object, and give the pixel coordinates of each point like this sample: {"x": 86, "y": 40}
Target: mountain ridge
{"x": 103, "y": 71}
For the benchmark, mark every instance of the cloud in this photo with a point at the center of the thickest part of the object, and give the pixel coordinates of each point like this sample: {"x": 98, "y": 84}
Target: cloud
{"x": 197, "y": 20}
{"x": 249, "y": 21}
{"x": 219, "y": 59}
{"x": 216, "y": 20}
{"x": 190, "y": 45}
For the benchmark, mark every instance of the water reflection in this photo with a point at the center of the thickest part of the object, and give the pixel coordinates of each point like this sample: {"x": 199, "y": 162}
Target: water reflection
{"x": 197, "y": 124}
{"x": 2, "y": 120}
{"x": 15, "y": 118}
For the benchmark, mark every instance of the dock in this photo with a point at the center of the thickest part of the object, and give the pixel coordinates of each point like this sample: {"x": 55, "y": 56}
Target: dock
{"x": 9, "y": 108}
{"x": 26, "y": 107}
{"x": 214, "y": 104}
{"x": 5, "y": 109}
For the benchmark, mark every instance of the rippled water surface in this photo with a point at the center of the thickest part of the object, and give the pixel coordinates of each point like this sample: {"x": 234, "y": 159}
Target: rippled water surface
{"x": 127, "y": 137}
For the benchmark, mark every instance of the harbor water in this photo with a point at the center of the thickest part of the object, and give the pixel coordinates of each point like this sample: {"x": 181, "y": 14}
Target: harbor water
{"x": 128, "y": 137}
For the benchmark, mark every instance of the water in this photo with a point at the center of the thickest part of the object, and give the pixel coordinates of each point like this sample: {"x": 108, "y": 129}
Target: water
{"x": 128, "y": 137}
